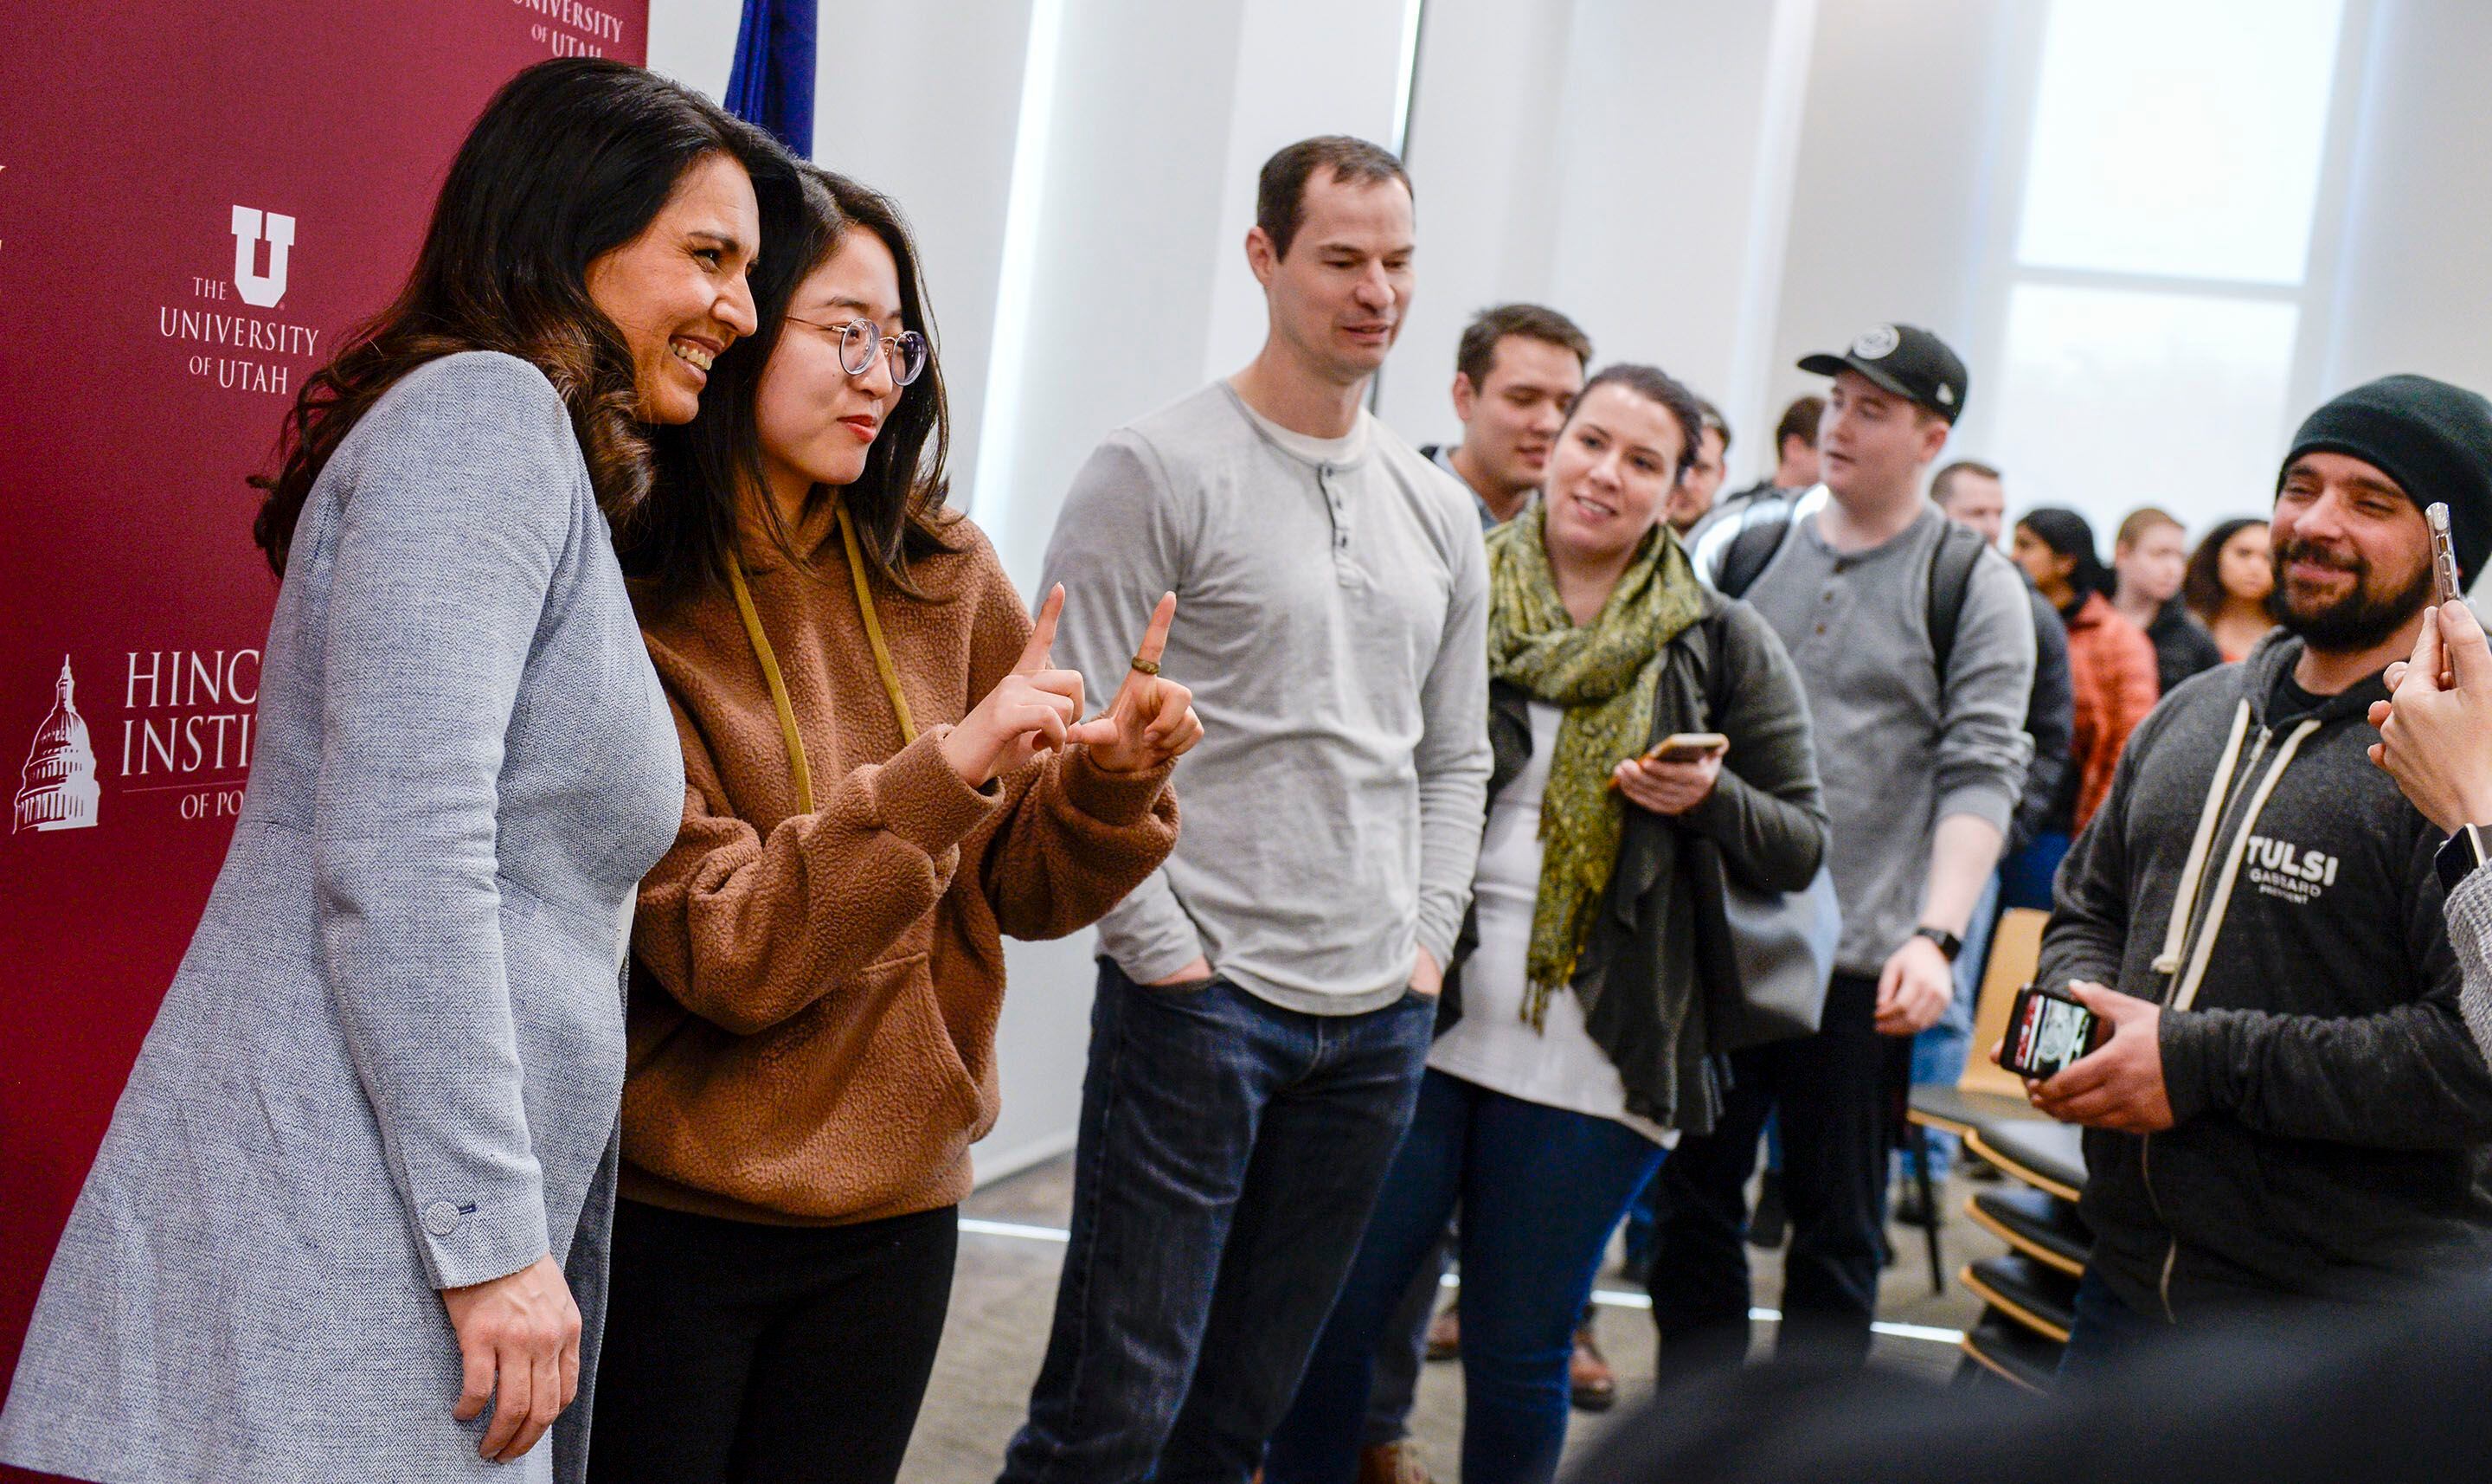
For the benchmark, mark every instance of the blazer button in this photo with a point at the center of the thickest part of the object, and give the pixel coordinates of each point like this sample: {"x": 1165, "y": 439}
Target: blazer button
{"x": 441, "y": 1218}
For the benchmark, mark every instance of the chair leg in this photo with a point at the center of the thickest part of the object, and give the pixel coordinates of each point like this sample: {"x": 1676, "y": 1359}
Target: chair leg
{"x": 1920, "y": 1151}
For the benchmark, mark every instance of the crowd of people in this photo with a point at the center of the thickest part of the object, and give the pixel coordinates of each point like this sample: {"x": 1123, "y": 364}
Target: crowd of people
{"x": 1484, "y": 840}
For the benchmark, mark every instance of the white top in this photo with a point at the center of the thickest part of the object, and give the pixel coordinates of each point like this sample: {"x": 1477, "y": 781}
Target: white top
{"x": 1345, "y": 449}
{"x": 1559, "y": 1065}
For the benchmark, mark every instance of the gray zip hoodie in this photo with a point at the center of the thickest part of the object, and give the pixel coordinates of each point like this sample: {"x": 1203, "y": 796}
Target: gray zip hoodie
{"x": 2331, "y": 1112}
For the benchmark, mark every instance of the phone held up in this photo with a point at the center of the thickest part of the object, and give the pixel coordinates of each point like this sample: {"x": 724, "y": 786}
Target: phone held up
{"x": 2047, "y": 1032}
{"x": 1688, "y": 747}
{"x": 2444, "y": 556}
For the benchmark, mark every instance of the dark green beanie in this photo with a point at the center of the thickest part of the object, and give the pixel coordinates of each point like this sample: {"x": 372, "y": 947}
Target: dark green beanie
{"x": 2434, "y": 439}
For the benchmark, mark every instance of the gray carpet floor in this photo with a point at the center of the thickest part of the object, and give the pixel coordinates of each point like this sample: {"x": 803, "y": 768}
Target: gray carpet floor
{"x": 1004, "y": 1296}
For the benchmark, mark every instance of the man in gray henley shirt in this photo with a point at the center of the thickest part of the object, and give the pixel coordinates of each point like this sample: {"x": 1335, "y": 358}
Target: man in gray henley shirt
{"x": 1267, "y": 999}
{"x": 1920, "y": 769}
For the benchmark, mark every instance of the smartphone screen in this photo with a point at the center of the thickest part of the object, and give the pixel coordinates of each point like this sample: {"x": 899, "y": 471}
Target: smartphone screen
{"x": 2046, "y": 1034}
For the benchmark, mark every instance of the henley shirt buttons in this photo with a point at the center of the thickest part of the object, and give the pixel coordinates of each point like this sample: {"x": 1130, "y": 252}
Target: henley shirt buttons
{"x": 441, "y": 1218}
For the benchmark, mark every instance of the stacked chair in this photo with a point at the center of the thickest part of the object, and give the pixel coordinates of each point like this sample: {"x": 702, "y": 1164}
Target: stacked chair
{"x": 2030, "y": 1291}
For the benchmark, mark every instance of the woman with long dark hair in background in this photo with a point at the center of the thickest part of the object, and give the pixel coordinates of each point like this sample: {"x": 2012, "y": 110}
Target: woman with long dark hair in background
{"x": 884, "y": 775}
{"x": 357, "y": 1191}
{"x": 2227, "y": 585}
{"x": 2111, "y": 670}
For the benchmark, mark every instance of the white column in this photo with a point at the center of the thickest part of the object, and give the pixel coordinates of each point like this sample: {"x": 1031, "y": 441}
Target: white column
{"x": 1628, "y": 162}
{"x": 2410, "y": 282}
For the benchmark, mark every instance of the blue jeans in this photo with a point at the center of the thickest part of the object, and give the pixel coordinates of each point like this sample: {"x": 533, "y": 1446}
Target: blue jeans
{"x": 2107, "y": 1337}
{"x": 1540, "y": 1190}
{"x": 1229, "y": 1153}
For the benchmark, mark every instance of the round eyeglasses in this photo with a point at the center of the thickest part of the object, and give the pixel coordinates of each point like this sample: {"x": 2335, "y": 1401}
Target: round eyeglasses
{"x": 861, "y": 341}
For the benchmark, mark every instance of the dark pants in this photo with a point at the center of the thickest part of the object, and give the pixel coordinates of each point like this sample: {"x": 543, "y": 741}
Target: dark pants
{"x": 1402, "y": 1349}
{"x": 2107, "y": 1338}
{"x": 1836, "y": 1092}
{"x": 740, "y": 1352}
{"x": 1541, "y": 1189}
{"x": 1229, "y": 1153}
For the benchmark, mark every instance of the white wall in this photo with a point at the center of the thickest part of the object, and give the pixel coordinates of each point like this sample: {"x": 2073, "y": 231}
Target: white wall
{"x": 694, "y": 42}
{"x": 1628, "y": 162}
{"x": 2413, "y": 272}
{"x": 1893, "y": 200}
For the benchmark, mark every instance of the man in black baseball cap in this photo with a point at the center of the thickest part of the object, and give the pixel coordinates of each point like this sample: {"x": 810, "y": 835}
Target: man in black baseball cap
{"x": 1906, "y": 360}
{"x": 1914, "y": 640}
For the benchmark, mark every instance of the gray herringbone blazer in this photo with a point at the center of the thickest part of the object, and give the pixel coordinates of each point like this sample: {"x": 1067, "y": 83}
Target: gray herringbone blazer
{"x": 392, "y": 1059}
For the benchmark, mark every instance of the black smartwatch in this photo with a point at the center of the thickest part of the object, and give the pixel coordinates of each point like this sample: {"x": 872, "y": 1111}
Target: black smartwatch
{"x": 2462, "y": 856}
{"x": 1950, "y": 946}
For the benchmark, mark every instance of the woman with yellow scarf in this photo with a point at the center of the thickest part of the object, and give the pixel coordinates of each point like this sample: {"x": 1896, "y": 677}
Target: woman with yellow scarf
{"x": 1572, "y": 1040}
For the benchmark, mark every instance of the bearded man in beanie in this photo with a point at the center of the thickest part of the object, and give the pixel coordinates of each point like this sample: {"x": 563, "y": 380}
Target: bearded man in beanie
{"x": 2283, "y": 1106}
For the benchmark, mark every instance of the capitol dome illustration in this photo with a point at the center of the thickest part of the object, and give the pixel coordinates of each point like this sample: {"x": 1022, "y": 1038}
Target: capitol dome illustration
{"x": 57, "y": 789}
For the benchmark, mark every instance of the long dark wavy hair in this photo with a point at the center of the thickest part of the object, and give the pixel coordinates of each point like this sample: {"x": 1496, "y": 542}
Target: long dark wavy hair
{"x": 571, "y": 160}
{"x": 688, "y": 531}
{"x": 2202, "y": 583}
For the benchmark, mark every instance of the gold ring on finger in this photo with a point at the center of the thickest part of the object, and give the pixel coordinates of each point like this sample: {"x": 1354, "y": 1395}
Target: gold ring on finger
{"x": 1146, "y": 667}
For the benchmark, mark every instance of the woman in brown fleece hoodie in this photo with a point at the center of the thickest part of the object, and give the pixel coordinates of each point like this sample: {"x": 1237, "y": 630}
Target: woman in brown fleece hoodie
{"x": 882, "y": 776}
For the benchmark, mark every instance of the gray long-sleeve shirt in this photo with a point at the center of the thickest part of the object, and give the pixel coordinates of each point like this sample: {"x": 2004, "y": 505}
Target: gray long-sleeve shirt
{"x": 1333, "y": 623}
{"x": 1896, "y": 753}
{"x": 2469, "y": 928}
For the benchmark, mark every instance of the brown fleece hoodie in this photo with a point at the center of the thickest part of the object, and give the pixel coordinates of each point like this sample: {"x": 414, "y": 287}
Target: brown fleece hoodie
{"x": 813, "y": 997}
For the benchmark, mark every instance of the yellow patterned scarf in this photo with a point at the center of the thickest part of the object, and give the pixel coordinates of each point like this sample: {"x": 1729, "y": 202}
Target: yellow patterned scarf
{"x": 1604, "y": 674}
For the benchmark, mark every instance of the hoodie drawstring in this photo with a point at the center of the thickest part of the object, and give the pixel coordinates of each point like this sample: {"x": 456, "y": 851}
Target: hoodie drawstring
{"x": 2184, "y": 993}
{"x": 797, "y": 762}
{"x": 2177, "y": 931}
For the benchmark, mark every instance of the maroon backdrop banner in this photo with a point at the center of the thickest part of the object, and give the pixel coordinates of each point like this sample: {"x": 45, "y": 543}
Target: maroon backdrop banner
{"x": 197, "y": 198}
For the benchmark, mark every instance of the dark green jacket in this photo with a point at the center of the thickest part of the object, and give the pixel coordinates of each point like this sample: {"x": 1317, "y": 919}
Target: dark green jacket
{"x": 1661, "y": 951}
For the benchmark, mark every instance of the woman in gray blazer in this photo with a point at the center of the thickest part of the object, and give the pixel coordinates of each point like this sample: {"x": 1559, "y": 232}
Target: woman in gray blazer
{"x": 359, "y": 1184}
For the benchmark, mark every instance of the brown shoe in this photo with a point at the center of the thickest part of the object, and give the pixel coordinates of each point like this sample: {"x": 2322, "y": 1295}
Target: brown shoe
{"x": 1595, "y": 1386}
{"x": 1446, "y": 1333}
{"x": 1392, "y": 1463}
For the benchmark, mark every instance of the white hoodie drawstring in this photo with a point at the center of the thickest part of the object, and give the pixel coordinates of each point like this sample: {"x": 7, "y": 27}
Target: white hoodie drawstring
{"x": 2186, "y": 993}
{"x": 2177, "y": 931}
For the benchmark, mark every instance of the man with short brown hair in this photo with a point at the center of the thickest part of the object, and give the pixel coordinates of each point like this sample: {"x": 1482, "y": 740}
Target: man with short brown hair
{"x": 1516, "y": 373}
{"x": 1266, "y": 999}
{"x": 1691, "y": 499}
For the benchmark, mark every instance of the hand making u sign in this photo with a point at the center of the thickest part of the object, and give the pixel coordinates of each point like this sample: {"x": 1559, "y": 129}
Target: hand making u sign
{"x": 1152, "y": 719}
{"x": 1029, "y": 714}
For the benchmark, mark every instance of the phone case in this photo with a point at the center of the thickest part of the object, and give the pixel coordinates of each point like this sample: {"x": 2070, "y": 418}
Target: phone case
{"x": 2047, "y": 1032}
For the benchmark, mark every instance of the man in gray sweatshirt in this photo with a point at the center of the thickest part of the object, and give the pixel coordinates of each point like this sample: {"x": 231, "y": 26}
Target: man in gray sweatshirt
{"x": 1267, "y": 999}
{"x": 1921, "y": 747}
{"x": 2283, "y": 1105}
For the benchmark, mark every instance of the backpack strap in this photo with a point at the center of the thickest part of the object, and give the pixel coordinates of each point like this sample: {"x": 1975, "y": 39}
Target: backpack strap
{"x": 1952, "y": 569}
{"x": 1749, "y": 553}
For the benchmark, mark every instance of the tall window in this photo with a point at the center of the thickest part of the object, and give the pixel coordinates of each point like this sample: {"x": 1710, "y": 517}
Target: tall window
{"x": 2158, "y": 279}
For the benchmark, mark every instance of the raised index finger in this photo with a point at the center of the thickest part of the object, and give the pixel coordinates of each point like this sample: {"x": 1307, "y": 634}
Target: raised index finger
{"x": 1155, "y": 638}
{"x": 1042, "y": 637}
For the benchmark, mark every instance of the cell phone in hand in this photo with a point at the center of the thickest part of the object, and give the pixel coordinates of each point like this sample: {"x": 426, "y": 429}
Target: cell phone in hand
{"x": 2047, "y": 1032}
{"x": 1688, "y": 747}
{"x": 2444, "y": 556}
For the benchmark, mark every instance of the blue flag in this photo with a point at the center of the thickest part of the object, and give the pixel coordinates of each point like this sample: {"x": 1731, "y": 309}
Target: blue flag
{"x": 772, "y": 82}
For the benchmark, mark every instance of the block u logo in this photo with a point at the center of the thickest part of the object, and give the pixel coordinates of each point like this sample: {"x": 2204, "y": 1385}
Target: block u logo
{"x": 261, "y": 290}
